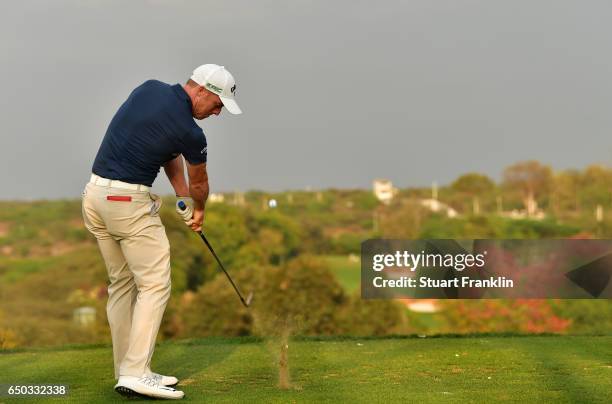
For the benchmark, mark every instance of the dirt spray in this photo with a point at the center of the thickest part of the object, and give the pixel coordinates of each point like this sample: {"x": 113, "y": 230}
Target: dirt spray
{"x": 277, "y": 334}
{"x": 284, "y": 381}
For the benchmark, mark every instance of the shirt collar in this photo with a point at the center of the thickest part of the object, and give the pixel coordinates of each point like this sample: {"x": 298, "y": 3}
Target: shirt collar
{"x": 180, "y": 92}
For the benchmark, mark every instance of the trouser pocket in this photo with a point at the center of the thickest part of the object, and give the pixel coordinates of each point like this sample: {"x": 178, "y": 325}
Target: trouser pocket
{"x": 156, "y": 203}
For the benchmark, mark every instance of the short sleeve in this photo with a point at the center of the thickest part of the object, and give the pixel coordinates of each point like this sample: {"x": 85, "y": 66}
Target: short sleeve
{"x": 193, "y": 146}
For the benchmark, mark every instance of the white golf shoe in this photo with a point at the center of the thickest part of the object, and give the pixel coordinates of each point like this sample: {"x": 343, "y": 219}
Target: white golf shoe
{"x": 168, "y": 381}
{"x": 147, "y": 386}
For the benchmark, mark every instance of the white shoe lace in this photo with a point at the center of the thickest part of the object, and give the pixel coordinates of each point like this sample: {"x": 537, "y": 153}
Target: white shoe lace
{"x": 151, "y": 381}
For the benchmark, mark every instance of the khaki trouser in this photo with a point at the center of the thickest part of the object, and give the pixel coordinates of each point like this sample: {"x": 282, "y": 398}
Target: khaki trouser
{"x": 133, "y": 243}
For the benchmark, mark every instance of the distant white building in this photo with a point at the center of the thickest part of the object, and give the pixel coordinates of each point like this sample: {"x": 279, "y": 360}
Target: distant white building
{"x": 216, "y": 198}
{"x": 383, "y": 190}
{"x": 435, "y": 205}
{"x": 239, "y": 199}
{"x": 524, "y": 214}
{"x": 84, "y": 316}
{"x": 422, "y": 305}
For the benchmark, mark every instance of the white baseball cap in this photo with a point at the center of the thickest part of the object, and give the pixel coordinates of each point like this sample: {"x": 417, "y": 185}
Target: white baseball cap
{"x": 217, "y": 80}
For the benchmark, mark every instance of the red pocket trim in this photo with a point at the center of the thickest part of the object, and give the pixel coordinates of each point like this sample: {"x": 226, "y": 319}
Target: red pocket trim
{"x": 119, "y": 198}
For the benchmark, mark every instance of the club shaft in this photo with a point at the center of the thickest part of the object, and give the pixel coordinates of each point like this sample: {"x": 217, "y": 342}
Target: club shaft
{"x": 223, "y": 268}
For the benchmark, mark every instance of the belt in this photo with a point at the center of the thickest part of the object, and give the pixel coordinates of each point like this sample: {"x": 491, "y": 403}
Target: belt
{"x": 105, "y": 182}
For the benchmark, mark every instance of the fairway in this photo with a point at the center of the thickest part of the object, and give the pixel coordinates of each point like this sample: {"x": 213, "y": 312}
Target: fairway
{"x": 468, "y": 369}
{"x": 347, "y": 272}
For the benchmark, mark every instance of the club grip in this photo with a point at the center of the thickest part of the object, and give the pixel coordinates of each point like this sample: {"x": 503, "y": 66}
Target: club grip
{"x": 182, "y": 205}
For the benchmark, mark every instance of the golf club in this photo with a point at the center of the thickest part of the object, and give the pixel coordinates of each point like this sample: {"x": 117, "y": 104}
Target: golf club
{"x": 246, "y": 302}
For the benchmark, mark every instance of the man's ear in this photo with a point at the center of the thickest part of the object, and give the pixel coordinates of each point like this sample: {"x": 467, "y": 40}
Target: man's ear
{"x": 206, "y": 92}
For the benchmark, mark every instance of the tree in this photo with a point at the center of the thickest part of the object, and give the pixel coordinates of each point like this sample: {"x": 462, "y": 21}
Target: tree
{"x": 566, "y": 186}
{"x": 8, "y": 339}
{"x": 301, "y": 296}
{"x": 373, "y": 317}
{"x": 597, "y": 185}
{"x": 401, "y": 220}
{"x": 215, "y": 309}
{"x": 473, "y": 186}
{"x": 532, "y": 179}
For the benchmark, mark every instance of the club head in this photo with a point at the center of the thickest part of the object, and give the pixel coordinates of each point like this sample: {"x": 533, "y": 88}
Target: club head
{"x": 247, "y": 301}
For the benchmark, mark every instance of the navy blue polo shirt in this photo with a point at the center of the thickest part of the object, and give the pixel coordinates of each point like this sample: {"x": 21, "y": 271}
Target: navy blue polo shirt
{"x": 153, "y": 126}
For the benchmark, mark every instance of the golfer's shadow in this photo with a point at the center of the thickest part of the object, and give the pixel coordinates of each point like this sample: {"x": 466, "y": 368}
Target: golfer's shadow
{"x": 187, "y": 359}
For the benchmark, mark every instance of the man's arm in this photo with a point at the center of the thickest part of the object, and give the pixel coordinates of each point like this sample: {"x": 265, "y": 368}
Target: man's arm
{"x": 198, "y": 184}
{"x": 198, "y": 189}
{"x": 175, "y": 171}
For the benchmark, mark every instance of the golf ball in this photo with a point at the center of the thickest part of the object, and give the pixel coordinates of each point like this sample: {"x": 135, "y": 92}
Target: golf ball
{"x": 272, "y": 203}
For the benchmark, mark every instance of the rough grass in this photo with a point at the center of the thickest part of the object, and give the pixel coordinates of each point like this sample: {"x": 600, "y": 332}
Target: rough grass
{"x": 469, "y": 369}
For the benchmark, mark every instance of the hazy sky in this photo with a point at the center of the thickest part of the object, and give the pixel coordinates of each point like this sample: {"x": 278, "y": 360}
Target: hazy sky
{"x": 334, "y": 93}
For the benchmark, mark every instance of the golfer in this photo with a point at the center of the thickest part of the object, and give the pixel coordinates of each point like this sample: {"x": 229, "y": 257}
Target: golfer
{"x": 153, "y": 128}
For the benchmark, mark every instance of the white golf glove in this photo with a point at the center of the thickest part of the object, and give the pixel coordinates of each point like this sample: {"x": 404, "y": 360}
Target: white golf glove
{"x": 187, "y": 213}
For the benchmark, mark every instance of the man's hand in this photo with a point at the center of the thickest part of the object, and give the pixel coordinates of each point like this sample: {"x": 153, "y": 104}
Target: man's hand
{"x": 193, "y": 218}
{"x": 187, "y": 213}
{"x": 197, "y": 220}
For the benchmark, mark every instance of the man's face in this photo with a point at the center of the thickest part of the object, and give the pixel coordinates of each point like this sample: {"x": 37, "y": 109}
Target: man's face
{"x": 206, "y": 103}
